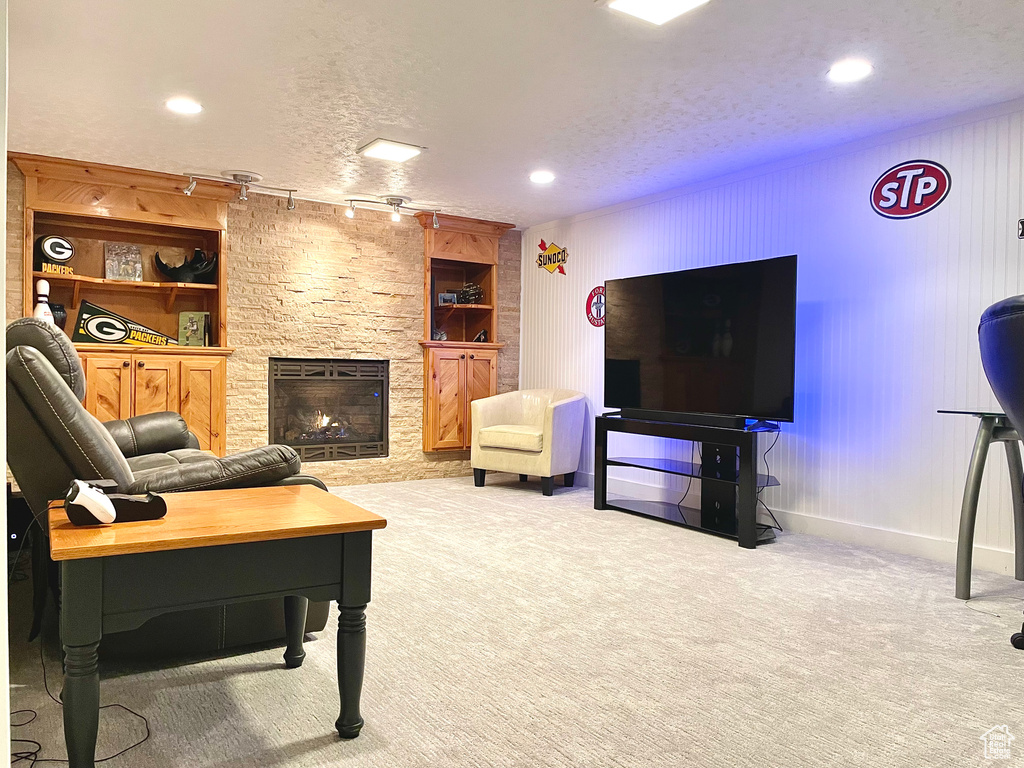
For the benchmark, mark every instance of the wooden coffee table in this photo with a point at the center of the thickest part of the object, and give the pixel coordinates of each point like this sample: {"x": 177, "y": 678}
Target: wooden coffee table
{"x": 297, "y": 542}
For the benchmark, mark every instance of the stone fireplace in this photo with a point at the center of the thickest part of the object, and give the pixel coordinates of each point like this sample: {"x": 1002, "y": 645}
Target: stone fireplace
{"x": 329, "y": 410}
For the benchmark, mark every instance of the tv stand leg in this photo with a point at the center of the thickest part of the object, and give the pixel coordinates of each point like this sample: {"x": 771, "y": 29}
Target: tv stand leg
{"x": 600, "y": 466}
{"x": 746, "y": 507}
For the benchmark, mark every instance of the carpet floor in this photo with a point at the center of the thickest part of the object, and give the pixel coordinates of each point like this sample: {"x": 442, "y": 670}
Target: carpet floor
{"x": 509, "y": 629}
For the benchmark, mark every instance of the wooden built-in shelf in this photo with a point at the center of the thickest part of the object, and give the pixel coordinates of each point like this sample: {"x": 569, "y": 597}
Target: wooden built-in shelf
{"x": 92, "y": 205}
{"x": 170, "y": 349}
{"x": 461, "y": 344}
{"x": 76, "y": 281}
{"x": 465, "y": 306}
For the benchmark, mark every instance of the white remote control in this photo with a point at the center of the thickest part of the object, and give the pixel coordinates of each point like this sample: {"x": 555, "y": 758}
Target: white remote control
{"x": 92, "y": 500}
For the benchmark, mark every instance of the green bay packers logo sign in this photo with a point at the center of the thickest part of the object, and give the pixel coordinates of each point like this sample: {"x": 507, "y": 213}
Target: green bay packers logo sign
{"x": 97, "y": 325}
{"x": 552, "y": 258}
{"x": 52, "y": 254}
{"x": 56, "y": 248}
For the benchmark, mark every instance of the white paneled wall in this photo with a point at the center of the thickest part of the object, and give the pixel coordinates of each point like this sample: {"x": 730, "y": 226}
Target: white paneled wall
{"x": 886, "y": 323}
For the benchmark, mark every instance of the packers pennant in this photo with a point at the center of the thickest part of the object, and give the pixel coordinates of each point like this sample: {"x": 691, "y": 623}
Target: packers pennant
{"x": 97, "y": 325}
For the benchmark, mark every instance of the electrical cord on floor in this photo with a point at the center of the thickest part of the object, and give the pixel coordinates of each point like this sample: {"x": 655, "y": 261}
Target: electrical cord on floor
{"x": 967, "y": 603}
{"x": 31, "y": 754}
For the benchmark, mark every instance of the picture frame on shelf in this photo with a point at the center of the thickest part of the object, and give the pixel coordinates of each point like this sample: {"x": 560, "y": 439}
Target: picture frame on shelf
{"x": 447, "y": 299}
{"x": 122, "y": 261}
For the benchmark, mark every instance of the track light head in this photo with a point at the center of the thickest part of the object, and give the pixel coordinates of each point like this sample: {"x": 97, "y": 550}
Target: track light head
{"x": 190, "y": 188}
{"x": 395, "y": 215}
{"x": 243, "y": 191}
{"x": 350, "y": 212}
{"x": 437, "y": 224}
{"x": 291, "y": 201}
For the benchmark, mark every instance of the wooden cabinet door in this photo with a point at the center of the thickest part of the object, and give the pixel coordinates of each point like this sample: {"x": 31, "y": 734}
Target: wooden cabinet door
{"x": 481, "y": 381}
{"x": 108, "y": 386}
{"x": 203, "y": 384}
{"x": 446, "y": 402}
{"x": 156, "y": 383}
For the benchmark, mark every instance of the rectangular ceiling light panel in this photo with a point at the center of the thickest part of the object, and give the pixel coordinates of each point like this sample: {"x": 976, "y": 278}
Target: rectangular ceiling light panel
{"x": 395, "y": 151}
{"x": 655, "y": 11}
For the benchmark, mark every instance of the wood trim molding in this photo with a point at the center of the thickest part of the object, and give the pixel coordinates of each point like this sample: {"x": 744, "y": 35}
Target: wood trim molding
{"x": 462, "y": 224}
{"x": 118, "y": 176}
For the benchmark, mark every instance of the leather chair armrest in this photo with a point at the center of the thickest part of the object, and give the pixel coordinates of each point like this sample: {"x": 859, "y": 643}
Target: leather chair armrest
{"x": 250, "y": 469}
{"x": 303, "y": 480}
{"x": 151, "y": 433}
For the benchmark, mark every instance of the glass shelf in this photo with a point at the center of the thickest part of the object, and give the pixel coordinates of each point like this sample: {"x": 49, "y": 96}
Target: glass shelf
{"x": 682, "y": 468}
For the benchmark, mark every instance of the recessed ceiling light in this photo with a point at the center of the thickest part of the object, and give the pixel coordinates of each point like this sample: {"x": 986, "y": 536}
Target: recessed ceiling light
{"x": 396, "y": 151}
{"x": 655, "y": 11}
{"x": 542, "y": 177}
{"x": 850, "y": 70}
{"x": 184, "y": 105}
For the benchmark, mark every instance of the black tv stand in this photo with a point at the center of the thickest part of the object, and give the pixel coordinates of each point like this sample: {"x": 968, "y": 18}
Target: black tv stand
{"x": 728, "y": 472}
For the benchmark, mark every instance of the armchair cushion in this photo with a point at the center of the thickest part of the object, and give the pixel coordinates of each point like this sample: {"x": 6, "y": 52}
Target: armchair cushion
{"x": 151, "y": 433}
{"x": 249, "y": 469}
{"x": 516, "y": 437}
{"x": 151, "y": 462}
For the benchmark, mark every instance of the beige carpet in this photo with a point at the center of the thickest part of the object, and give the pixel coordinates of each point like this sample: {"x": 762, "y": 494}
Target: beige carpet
{"x": 509, "y": 629}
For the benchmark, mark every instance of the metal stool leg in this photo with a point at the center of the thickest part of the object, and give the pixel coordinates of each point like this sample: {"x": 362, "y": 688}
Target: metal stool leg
{"x": 969, "y": 508}
{"x": 1017, "y": 488}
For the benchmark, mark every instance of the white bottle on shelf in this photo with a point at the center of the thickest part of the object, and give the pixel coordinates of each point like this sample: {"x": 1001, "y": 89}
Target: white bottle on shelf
{"x": 42, "y": 310}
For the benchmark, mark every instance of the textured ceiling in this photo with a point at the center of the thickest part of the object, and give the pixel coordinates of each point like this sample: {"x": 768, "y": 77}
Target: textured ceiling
{"x": 615, "y": 107}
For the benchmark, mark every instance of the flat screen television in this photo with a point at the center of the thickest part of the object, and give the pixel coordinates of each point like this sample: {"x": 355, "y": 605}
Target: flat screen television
{"x": 714, "y": 345}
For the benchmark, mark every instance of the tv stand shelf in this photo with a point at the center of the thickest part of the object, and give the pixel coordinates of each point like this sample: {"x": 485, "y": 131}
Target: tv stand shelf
{"x": 684, "y": 469}
{"x": 728, "y": 500}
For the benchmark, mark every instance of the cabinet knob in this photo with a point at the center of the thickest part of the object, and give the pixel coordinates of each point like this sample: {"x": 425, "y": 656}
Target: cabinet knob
{"x": 472, "y": 357}
{"x": 462, "y": 357}
{"x": 125, "y": 364}
{"x": 142, "y": 363}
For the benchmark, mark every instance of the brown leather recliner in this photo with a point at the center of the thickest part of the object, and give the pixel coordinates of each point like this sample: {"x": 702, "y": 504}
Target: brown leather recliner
{"x": 52, "y": 439}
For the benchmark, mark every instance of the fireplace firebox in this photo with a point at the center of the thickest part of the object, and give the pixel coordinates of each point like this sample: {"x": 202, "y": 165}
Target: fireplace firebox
{"x": 329, "y": 410}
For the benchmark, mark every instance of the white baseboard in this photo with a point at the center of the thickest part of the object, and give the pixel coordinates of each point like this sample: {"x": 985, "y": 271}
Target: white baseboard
{"x": 942, "y": 550}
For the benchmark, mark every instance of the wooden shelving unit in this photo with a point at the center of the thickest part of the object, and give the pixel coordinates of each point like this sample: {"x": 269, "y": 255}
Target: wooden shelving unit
{"x": 92, "y": 204}
{"x": 458, "y": 370}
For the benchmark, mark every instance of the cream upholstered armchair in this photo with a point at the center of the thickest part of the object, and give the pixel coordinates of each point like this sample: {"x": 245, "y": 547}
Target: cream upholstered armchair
{"x": 531, "y": 432}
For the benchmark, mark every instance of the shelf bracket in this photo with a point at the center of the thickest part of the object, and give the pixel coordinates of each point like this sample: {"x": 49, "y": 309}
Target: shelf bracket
{"x": 76, "y": 295}
{"x": 171, "y": 297}
{"x": 450, "y": 311}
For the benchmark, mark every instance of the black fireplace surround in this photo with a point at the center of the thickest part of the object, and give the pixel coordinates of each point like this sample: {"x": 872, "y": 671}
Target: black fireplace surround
{"x": 329, "y": 410}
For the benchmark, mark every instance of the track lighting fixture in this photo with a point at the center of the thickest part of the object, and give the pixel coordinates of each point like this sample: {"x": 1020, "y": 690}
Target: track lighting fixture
{"x": 396, "y": 204}
{"x": 246, "y": 181}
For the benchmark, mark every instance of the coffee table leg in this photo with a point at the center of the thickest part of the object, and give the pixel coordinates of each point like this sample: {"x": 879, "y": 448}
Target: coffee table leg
{"x": 294, "y": 628}
{"x": 351, "y": 661}
{"x": 355, "y": 594}
{"x": 81, "y": 628}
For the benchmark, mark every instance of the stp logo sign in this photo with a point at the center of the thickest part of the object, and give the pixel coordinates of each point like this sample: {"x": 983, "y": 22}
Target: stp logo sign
{"x": 910, "y": 189}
